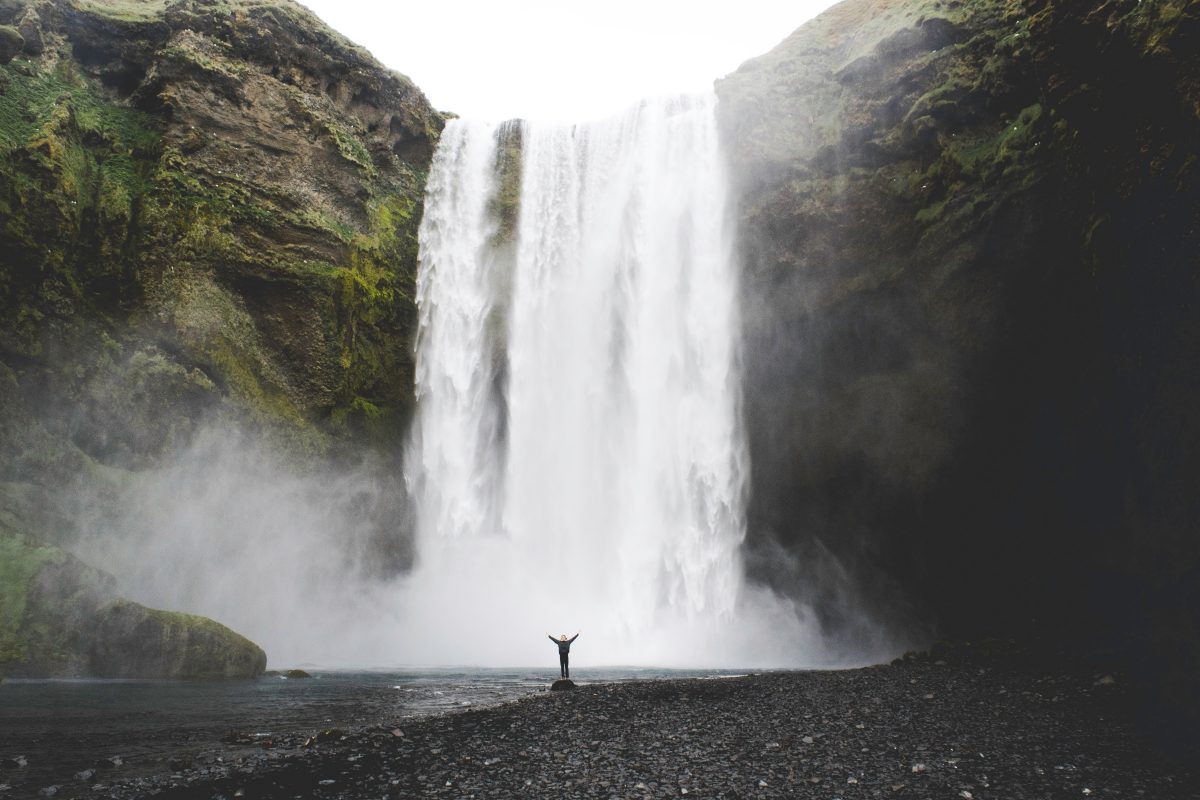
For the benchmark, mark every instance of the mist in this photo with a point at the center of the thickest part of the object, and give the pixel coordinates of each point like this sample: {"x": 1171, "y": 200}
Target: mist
{"x": 314, "y": 566}
{"x": 298, "y": 559}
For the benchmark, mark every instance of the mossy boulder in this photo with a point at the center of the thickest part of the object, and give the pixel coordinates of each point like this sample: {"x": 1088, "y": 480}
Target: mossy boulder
{"x": 61, "y": 618}
{"x": 133, "y": 641}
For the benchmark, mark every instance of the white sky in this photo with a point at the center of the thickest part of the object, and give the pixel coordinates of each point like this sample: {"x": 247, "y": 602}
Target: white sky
{"x": 562, "y": 59}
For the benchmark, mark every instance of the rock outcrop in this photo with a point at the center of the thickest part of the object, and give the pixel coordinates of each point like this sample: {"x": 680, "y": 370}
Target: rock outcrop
{"x": 973, "y": 358}
{"x": 61, "y": 618}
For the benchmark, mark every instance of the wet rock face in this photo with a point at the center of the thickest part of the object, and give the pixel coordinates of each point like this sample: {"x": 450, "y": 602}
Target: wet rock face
{"x": 232, "y": 187}
{"x": 969, "y": 235}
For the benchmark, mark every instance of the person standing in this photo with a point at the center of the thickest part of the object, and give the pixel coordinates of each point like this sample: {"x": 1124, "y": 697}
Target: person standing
{"x": 564, "y": 651}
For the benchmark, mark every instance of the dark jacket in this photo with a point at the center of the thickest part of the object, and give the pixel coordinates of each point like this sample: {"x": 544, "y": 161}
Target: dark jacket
{"x": 564, "y": 647}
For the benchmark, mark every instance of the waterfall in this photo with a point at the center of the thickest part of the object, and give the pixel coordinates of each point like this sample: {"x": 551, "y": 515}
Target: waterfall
{"x": 577, "y": 458}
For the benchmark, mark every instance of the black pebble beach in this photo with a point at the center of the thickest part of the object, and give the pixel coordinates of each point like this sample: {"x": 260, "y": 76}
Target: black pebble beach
{"x": 960, "y": 723}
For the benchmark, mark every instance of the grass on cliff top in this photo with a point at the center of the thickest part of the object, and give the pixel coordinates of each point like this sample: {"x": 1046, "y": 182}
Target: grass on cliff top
{"x": 123, "y": 10}
{"x": 144, "y": 11}
{"x": 177, "y": 622}
{"x": 150, "y": 10}
{"x": 856, "y": 26}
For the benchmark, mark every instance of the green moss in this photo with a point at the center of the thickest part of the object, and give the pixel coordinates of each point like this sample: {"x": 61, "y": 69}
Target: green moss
{"x": 505, "y": 204}
{"x": 123, "y": 10}
{"x": 975, "y": 170}
{"x": 72, "y": 168}
{"x": 20, "y": 561}
{"x": 351, "y": 148}
{"x": 931, "y": 213}
{"x": 30, "y": 101}
{"x": 371, "y": 287}
{"x": 11, "y": 42}
{"x": 319, "y": 220}
{"x": 1153, "y": 26}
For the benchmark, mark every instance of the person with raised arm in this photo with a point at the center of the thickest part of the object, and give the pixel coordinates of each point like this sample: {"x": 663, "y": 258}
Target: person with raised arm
{"x": 564, "y": 651}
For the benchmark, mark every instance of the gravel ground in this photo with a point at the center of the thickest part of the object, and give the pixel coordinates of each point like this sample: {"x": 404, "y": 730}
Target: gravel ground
{"x": 961, "y": 723}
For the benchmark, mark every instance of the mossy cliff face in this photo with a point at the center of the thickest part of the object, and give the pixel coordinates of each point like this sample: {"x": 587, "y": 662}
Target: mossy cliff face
{"x": 207, "y": 205}
{"x": 970, "y": 235}
{"x": 61, "y": 618}
{"x": 208, "y": 217}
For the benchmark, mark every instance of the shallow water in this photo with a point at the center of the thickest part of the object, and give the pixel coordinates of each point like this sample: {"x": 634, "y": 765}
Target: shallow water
{"x": 65, "y": 726}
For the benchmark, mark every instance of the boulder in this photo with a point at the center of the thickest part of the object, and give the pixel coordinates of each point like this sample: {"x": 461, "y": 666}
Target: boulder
{"x": 11, "y": 43}
{"x": 30, "y": 27}
{"x": 61, "y": 618}
{"x": 562, "y": 685}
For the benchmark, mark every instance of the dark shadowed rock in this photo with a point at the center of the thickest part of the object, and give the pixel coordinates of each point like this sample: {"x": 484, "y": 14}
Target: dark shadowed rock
{"x": 11, "y": 43}
{"x": 562, "y": 685}
{"x": 972, "y": 351}
{"x": 30, "y": 26}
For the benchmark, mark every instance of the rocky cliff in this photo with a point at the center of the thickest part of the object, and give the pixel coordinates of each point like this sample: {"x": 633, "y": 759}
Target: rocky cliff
{"x": 208, "y": 216}
{"x": 206, "y": 204}
{"x": 970, "y": 233}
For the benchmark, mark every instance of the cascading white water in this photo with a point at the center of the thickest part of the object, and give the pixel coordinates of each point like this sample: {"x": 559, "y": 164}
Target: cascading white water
{"x": 577, "y": 458}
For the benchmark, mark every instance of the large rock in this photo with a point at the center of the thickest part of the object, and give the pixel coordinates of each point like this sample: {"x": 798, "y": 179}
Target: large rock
{"x": 61, "y": 618}
{"x": 973, "y": 353}
{"x": 11, "y": 43}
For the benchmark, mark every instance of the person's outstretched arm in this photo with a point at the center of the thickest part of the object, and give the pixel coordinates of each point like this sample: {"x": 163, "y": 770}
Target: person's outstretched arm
{"x": 573, "y": 638}
{"x": 551, "y": 638}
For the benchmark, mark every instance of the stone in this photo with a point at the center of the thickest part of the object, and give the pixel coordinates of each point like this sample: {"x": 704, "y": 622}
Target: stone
{"x": 68, "y": 621}
{"x": 30, "y": 27}
{"x": 562, "y": 684}
{"x": 296, "y": 673}
{"x": 11, "y": 43}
